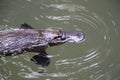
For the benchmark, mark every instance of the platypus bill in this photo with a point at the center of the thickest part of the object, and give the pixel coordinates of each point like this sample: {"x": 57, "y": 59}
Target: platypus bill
{"x": 26, "y": 38}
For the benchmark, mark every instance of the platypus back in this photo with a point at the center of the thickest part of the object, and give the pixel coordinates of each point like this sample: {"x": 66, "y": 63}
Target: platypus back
{"x": 17, "y": 40}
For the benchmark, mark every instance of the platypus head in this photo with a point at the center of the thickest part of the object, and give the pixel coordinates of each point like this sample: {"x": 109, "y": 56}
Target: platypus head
{"x": 63, "y": 37}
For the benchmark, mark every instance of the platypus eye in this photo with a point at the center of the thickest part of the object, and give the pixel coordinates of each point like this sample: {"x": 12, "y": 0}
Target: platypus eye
{"x": 59, "y": 35}
{"x": 63, "y": 36}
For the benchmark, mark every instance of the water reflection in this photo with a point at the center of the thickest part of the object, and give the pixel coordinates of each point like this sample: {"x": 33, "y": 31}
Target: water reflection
{"x": 68, "y": 7}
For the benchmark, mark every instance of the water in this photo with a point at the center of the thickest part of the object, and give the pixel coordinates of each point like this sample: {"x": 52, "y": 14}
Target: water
{"x": 97, "y": 58}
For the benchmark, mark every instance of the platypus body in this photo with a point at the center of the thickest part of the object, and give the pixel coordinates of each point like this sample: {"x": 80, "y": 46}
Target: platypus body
{"x": 26, "y": 38}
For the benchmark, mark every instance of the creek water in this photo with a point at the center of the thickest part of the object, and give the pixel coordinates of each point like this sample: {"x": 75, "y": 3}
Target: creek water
{"x": 97, "y": 58}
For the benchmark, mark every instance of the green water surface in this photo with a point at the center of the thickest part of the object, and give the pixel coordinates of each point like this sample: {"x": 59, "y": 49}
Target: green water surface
{"x": 97, "y": 58}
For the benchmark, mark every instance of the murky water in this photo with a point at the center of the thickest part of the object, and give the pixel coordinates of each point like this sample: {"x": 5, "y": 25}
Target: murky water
{"x": 97, "y": 58}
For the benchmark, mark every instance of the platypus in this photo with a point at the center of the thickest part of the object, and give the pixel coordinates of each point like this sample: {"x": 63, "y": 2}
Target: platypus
{"x": 26, "y": 38}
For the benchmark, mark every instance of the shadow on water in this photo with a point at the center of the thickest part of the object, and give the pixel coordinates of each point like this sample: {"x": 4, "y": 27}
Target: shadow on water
{"x": 97, "y": 58}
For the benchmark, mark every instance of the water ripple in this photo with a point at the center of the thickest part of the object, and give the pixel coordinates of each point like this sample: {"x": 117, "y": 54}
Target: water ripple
{"x": 68, "y": 7}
